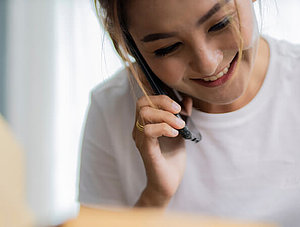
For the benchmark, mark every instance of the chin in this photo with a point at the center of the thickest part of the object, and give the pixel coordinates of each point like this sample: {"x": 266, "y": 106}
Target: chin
{"x": 224, "y": 100}
{"x": 225, "y": 97}
{"x": 232, "y": 92}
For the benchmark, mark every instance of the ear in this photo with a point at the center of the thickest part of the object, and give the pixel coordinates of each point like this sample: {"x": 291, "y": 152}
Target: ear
{"x": 253, "y": 0}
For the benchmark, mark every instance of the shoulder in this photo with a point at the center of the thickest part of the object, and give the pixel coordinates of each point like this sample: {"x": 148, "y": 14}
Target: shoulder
{"x": 115, "y": 86}
{"x": 284, "y": 50}
{"x": 112, "y": 105}
{"x": 116, "y": 91}
{"x": 287, "y": 49}
{"x": 284, "y": 60}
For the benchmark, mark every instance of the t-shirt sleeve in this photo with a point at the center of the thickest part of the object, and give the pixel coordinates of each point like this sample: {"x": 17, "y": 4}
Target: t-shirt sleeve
{"x": 99, "y": 182}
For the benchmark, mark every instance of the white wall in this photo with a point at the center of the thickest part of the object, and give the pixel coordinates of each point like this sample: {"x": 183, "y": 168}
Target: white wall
{"x": 53, "y": 61}
{"x": 30, "y": 85}
{"x": 281, "y": 19}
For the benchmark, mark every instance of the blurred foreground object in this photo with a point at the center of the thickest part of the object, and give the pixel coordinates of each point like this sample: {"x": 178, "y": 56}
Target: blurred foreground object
{"x": 89, "y": 217}
{"x": 13, "y": 209}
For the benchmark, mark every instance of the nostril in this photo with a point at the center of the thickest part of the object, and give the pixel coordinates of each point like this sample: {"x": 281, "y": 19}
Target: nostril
{"x": 206, "y": 62}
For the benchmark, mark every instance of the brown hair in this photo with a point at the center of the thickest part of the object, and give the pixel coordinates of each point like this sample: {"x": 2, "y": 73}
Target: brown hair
{"x": 113, "y": 16}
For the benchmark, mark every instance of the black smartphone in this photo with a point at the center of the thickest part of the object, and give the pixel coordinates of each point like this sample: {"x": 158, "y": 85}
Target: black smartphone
{"x": 159, "y": 87}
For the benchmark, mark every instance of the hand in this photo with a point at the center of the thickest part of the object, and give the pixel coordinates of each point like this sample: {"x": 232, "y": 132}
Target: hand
{"x": 162, "y": 150}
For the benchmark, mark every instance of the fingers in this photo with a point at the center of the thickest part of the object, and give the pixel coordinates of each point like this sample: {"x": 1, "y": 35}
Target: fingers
{"x": 162, "y": 102}
{"x": 159, "y": 120}
{"x": 160, "y": 129}
{"x": 151, "y": 115}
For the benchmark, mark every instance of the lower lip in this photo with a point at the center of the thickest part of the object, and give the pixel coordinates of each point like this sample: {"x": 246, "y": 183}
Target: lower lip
{"x": 222, "y": 79}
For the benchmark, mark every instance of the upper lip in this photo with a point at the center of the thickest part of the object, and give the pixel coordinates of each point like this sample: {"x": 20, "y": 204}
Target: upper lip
{"x": 215, "y": 73}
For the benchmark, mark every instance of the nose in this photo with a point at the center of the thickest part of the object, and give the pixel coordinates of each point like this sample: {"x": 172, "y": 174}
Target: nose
{"x": 205, "y": 59}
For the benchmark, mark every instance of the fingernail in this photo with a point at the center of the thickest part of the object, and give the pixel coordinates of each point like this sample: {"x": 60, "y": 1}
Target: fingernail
{"x": 176, "y": 106}
{"x": 180, "y": 122}
{"x": 174, "y": 132}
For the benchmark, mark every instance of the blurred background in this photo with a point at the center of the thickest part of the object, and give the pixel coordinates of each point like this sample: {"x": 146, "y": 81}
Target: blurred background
{"x": 52, "y": 53}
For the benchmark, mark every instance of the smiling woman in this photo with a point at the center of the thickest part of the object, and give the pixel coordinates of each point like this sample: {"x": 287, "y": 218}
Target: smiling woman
{"x": 220, "y": 72}
{"x": 193, "y": 51}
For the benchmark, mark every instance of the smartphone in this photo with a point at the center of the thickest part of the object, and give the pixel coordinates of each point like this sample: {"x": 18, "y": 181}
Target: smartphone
{"x": 160, "y": 88}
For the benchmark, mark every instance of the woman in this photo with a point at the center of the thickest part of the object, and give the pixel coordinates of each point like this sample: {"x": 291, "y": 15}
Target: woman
{"x": 240, "y": 90}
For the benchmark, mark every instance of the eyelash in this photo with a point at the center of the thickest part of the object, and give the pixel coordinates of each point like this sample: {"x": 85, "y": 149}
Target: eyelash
{"x": 165, "y": 51}
{"x": 219, "y": 26}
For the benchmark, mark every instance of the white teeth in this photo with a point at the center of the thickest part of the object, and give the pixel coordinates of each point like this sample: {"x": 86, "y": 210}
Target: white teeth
{"x": 220, "y": 74}
{"x": 225, "y": 70}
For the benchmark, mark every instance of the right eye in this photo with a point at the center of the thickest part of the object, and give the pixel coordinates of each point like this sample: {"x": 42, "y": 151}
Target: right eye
{"x": 167, "y": 50}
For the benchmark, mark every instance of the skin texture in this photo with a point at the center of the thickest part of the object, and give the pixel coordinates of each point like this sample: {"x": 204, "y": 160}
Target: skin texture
{"x": 200, "y": 53}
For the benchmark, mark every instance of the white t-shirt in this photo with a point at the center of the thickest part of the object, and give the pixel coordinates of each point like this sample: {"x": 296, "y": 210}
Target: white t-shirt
{"x": 246, "y": 167}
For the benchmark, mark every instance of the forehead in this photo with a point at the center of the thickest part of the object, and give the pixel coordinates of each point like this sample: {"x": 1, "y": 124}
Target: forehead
{"x": 158, "y": 15}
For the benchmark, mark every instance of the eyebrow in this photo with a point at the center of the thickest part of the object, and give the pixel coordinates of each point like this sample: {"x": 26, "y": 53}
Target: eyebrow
{"x": 209, "y": 14}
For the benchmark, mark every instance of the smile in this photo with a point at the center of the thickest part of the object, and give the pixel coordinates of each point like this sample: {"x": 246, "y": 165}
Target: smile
{"x": 221, "y": 77}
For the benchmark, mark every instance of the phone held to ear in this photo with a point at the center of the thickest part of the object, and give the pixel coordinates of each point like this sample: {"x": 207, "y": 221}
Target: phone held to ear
{"x": 157, "y": 86}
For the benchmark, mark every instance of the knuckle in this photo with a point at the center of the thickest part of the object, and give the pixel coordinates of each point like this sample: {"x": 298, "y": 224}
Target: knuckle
{"x": 165, "y": 98}
{"x": 147, "y": 130}
{"x": 164, "y": 102}
{"x": 144, "y": 112}
{"x": 140, "y": 101}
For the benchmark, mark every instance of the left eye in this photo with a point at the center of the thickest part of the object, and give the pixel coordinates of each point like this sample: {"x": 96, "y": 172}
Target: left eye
{"x": 220, "y": 25}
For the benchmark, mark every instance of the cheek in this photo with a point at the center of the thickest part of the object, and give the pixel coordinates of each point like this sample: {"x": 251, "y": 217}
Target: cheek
{"x": 171, "y": 71}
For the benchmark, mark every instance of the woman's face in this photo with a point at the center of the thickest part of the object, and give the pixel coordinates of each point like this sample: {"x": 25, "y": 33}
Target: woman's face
{"x": 191, "y": 46}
